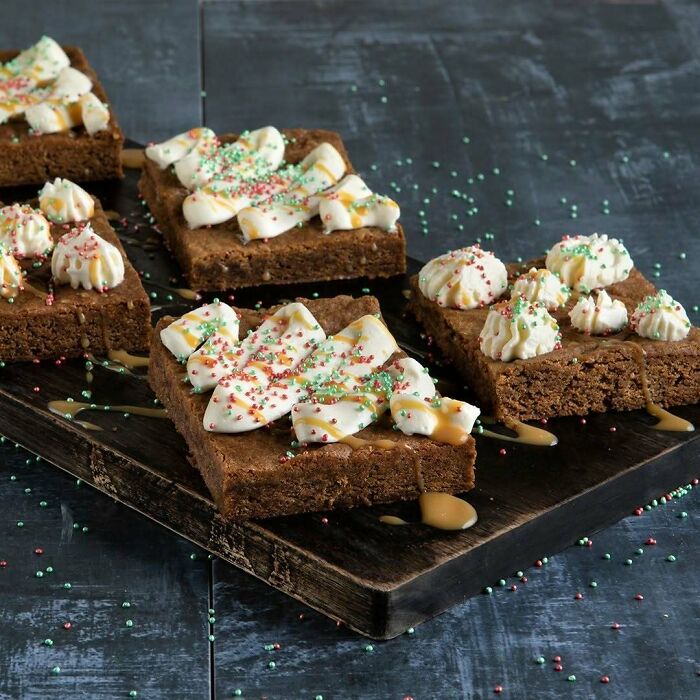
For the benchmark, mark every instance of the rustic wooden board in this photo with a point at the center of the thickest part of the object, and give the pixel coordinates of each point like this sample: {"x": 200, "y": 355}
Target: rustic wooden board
{"x": 379, "y": 580}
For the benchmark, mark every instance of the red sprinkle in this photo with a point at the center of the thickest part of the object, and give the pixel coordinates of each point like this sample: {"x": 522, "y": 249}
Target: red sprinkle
{"x": 498, "y": 689}
{"x": 558, "y": 668}
{"x": 513, "y": 588}
{"x": 613, "y": 429}
{"x": 604, "y": 679}
{"x": 324, "y": 521}
{"x": 67, "y": 625}
{"x": 639, "y": 596}
{"x": 538, "y": 563}
{"x": 38, "y": 551}
{"x": 578, "y": 596}
{"x": 36, "y": 389}
{"x": 556, "y": 659}
{"x": 651, "y": 540}
{"x": 615, "y": 626}
{"x": 582, "y": 421}
{"x": 3, "y": 563}
{"x": 638, "y": 511}
{"x": 502, "y": 452}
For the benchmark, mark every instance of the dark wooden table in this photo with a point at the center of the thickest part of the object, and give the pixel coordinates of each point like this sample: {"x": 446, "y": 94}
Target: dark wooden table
{"x": 447, "y": 101}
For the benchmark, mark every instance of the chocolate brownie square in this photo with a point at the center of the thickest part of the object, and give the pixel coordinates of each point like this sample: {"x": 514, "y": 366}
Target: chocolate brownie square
{"x": 587, "y": 374}
{"x": 250, "y": 475}
{"x": 216, "y": 258}
{"x": 47, "y": 320}
{"x": 27, "y": 158}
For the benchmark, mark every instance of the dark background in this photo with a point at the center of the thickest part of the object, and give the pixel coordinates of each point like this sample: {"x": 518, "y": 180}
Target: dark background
{"x": 609, "y": 92}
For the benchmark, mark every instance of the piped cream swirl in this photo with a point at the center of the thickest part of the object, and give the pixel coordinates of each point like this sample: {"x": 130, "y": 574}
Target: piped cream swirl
{"x": 660, "y": 317}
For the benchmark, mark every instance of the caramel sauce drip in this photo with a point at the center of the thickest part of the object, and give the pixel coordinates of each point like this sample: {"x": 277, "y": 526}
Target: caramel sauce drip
{"x": 133, "y": 158}
{"x": 72, "y": 408}
{"x": 442, "y": 511}
{"x": 356, "y": 443}
{"x": 127, "y": 359}
{"x": 525, "y": 434}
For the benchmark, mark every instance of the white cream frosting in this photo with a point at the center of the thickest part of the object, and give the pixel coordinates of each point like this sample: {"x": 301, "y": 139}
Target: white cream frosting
{"x": 172, "y": 150}
{"x": 63, "y": 201}
{"x": 466, "y": 278}
{"x": 590, "y": 262}
{"x": 10, "y": 274}
{"x": 243, "y": 402}
{"x": 40, "y": 63}
{"x": 541, "y": 285}
{"x": 518, "y": 329}
{"x": 184, "y": 335}
{"x": 52, "y": 95}
{"x": 274, "y": 348}
{"x": 25, "y": 231}
{"x": 417, "y": 410}
{"x": 320, "y": 169}
{"x": 252, "y": 156}
{"x": 81, "y": 258}
{"x": 94, "y": 113}
{"x": 352, "y": 205}
{"x": 601, "y": 316}
{"x": 70, "y": 85}
{"x": 660, "y": 317}
{"x": 52, "y": 116}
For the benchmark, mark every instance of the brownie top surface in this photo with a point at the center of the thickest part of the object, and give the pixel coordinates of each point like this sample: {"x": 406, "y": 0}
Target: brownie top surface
{"x": 67, "y": 299}
{"x": 467, "y": 324}
{"x": 20, "y": 129}
{"x": 259, "y": 451}
{"x": 223, "y": 241}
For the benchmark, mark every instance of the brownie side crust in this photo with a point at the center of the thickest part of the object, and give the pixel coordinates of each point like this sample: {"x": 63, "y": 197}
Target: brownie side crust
{"x": 215, "y": 258}
{"x": 28, "y": 159}
{"x": 79, "y": 320}
{"x": 244, "y": 472}
{"x": 589, "y": 373}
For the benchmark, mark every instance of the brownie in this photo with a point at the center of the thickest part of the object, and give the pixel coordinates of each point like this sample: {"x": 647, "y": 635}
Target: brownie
{"x": 588, "y": 374}
{"x": 249, "y": 475}
{"x": 31, "y": 159}
{"x": 78, "y": 320}
{"x": 216, "y": 258}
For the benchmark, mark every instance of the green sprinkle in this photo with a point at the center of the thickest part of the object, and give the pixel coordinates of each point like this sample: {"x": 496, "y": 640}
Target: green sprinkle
{"x": 129, "y": 623}
{"x": 628, "y": 562}
{"x": 682, "y": 514}
{"x": 39, "y": 574}
{"x": 539, "y": 660}
{"x": 606, "y": 556}
{"x": 48, "y": 642}
{"x": 272, "y": 664}
{"x": 369, "y": 648}
{"x": 571, "y": 678}
{"x": 67, "y": 586}
{"x": 593, "y": 584}
{"x": 671, "y": 557}
{"x": 488, "y": 590}
{"x": 56, "y": 670}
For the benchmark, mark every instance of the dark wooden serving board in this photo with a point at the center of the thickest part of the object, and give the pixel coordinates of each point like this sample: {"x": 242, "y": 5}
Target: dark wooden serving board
{"x": 377, "y": 579}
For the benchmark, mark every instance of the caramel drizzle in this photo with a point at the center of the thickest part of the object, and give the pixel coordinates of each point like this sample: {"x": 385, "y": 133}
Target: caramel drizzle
{"x": 667, "y": 421}
{"x": 127, "y": 359}
{"x": 70, "y": 409}
{"x": 180, "y": 291}
{"x": 133, "y": 158}
{"x": 444, "y": 431}
{"x": 525, "y": 434}
{"x": 442, "y": 511}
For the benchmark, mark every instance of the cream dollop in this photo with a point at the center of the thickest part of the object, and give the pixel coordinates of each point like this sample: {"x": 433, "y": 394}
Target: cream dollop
{"x": 352, "y": 205}
{"x": 660, "y": 317}
{"x": 53, "y": 117}
{"x": 590, "y": 262}
{"x": 185, "y": 334}
{"x": 40, "y": 63}
{"x": 466, "y": 278}
{"x": 94, "y": 113}
{"x": 600, "y": 317}
{"x": 64, "y": 202}
{"x": 70, "y": 84}
{"x": 320, "y": 169}
{"x": 25, "y": 231}
{"x": 172, "y": 150}
{"x": 81, "y": 258}
{"x": 518, "y": 329}
{"x": 541, "y": 285}
{"x": 10, "y": 274}
{"x": 417, "y": 410}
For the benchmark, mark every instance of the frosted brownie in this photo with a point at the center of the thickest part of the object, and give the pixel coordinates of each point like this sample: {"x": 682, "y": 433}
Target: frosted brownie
{"x": 268, "y": 207}
{"x": 309, "y": 358}
{"x": 584, "y": 333}
{"x": 55, "y": 119}
{"x": 66, "y": 285}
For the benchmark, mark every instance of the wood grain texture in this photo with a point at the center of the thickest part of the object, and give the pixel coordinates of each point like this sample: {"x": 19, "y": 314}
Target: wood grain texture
{"x": 145, "y": 53}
